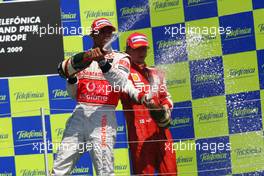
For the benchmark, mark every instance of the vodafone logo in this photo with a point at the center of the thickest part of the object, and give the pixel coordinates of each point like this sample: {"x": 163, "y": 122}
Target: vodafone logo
{"x": 91, "y": 87}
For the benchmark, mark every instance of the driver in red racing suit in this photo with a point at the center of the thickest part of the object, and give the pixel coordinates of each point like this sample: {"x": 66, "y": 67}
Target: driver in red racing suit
{"x": 147, "y": 140}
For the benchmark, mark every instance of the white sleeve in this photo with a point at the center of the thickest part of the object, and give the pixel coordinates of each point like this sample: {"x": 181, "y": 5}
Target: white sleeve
{"x": 118, "y": 75}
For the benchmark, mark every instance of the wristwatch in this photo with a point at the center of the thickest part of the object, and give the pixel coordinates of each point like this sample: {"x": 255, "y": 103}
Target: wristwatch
{"x": 72, "y": 80}
{"x": 104, "y": 65}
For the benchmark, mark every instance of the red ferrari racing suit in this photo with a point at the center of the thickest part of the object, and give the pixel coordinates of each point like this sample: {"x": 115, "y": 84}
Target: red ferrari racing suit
{"x": 147, "y": 140}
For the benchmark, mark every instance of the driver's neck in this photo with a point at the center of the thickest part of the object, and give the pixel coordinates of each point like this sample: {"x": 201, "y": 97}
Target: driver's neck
{"x": 141, "y": 65}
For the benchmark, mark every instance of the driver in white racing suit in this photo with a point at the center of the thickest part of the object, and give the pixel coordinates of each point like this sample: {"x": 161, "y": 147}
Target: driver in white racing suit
{"x": 95, "y": 79}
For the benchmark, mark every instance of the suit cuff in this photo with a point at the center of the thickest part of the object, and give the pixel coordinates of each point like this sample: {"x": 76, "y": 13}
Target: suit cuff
{"x": 105, "y": 66}
{"x": 72, "y": 80}
{"x": 167, "y": 102}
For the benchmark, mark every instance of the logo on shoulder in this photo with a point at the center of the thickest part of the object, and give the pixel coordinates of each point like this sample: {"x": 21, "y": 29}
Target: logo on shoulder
{"x": 135, "y": 77}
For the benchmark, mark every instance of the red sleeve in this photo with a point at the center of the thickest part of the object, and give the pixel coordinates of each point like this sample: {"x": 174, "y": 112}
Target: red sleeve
{"x": 125, "y": 97}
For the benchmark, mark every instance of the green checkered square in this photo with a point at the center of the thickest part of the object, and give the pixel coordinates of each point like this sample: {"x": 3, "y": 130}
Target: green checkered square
{"x": 259, "y": 28}
{"x": 210, "y": 114}
{"x": 122, "y": 164}
{"x": 203, "y": 38}
{"x": 90, "y": 10}
{"x": 147, "y": 31}
{"x": 57, "y": 125}
{"x": 247, "y": 154}
{"x": 227, "y": 7}
{"x": 165, "y": 12}
{"x": 29, "y": 164}
{"x": 72, "y": 45}
{"x": 6, "y": 137}
{"x": 25, "y": 99}
{"x": 186, "y": 158}
{"x": 241, "y": 72}
{"x": 178, "y": 80}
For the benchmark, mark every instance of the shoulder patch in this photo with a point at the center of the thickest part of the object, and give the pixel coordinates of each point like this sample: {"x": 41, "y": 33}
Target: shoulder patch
{"x": 135, "y": 77}
{"x": 124, "y": 65}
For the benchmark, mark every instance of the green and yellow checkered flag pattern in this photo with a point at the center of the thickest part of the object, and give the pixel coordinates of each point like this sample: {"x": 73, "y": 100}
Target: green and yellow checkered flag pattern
{"x": 214, "y": 73}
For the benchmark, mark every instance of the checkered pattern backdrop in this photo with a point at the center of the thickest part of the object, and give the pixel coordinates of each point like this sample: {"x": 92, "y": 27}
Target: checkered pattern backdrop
{"x": 216, "y": 82}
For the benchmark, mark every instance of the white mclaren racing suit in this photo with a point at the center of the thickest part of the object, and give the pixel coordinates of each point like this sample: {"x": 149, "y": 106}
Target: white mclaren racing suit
{"x": 93, "y": 120}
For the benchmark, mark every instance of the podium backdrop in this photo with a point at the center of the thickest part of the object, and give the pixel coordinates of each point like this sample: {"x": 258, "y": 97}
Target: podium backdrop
{"x": 216, "y": 81}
